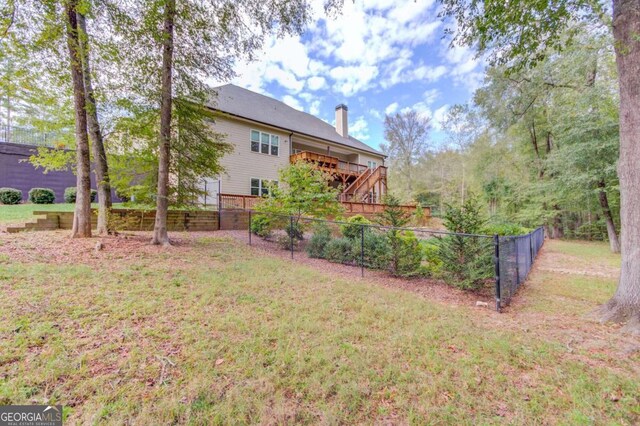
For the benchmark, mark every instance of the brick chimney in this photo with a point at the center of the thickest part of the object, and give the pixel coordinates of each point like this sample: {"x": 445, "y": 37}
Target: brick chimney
{"x": 342, "y": 122}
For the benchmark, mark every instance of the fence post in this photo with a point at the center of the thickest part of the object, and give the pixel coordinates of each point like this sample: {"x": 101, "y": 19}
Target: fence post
{"x": 517, "y": 243}
{"x": 496, "y": 260}
{"x": 249, "y": 227}
{"x": 291, "y": 233}
{"x": 531, "y": 246}
{"x": 219, "y": 206}
{"x": 362, "y": 250}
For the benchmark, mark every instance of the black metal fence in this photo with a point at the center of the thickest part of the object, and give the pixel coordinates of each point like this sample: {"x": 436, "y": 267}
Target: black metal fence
{"x": 28, "y": 136}
{"x": 468, "y": 261}
{"x": 515, "y": 259}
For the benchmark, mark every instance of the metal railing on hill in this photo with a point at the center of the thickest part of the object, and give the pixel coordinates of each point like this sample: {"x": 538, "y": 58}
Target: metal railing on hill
{"x": 28, "y": 136}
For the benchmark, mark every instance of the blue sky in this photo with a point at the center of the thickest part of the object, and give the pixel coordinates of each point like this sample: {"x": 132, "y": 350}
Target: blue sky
{"x": 377, "y": 57}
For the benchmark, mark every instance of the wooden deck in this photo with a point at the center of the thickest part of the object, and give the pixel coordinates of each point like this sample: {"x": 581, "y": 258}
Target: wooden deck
{"x": 333, "y": 165}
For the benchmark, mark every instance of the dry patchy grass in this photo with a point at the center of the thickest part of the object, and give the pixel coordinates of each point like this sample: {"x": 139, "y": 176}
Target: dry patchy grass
{"x": 211, "y": 331}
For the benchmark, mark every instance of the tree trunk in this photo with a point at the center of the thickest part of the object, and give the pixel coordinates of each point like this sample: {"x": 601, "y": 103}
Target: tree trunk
{"x": 611, "y": 226}
{"x": 556, "y": 229}
{"x": 625, "y": 304}
{"x": 101, "y": 168}
{"x": 82, "y": 215}
{"x": 160, "y": 235}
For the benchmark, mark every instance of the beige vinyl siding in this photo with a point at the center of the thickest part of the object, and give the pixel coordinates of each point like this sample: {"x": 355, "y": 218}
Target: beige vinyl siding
{"x": 365, "y": 158}
{"x": 243, "y": 164}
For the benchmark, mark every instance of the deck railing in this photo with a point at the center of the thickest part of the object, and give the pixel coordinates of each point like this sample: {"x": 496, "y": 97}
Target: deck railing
{"x": 329, "y": 163}
{"x": 248, "y": 202}
{"x": 241, "y": 202}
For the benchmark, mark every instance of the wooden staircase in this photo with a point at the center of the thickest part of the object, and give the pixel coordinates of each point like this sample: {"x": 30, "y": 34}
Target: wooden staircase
{"x": 363, "y": 188}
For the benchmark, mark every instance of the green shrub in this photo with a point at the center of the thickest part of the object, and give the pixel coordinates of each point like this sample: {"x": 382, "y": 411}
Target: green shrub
{"x": 124, "y": 196}
{"x": 10, "y": 196}
{"x": 294, "y": 230}
{"x": 376, "y": 251}
{"x": 70, "y": 195}
{"x": 339, "y": 251}
{"x": 261, "y": 226}
{"x": 594, "y": 231}
{"x": 42, "y": 196}
{"x": 353, "y": 227}
{"x": 431, "y": 255}
{"x": 467, "y": 262}
{"x": 285, "y": 242}
{"x": 319, "y": 240}
{"x": 503, "y": 229}
{"x": 418, "y": 215}
{"x": 410, "y": 258}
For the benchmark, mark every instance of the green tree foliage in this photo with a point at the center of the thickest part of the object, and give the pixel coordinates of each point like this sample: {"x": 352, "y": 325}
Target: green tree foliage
{"x": 466, "y": 261}
{"x": 353, "y": 228}
{"x": 403, "y": 246}
{"x": 523, "y": 34}
{"x": 303, "y": 191}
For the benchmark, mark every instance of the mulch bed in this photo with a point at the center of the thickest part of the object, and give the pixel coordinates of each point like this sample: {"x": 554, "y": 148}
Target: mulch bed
{"x": 429, "y": 288}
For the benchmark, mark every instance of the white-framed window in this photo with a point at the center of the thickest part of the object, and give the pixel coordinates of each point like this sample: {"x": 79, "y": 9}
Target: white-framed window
{"x": 262, "y": 187}
{"x": 265, "y": 143}
{"x": 372, "y": 164}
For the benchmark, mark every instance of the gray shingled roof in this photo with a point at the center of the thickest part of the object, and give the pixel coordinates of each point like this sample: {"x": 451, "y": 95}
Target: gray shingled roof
{"x": 244, "y": 103}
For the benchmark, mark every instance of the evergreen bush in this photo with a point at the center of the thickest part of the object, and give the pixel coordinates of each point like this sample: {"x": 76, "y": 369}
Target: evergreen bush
{"x": 42, "y": 196}
{"x": 339, "y": 251}
{"x": 10, "y": 196}
{"x": 353, "y": 228}
{"x": 70, "y": 195}
{"x": 319, "y": 240}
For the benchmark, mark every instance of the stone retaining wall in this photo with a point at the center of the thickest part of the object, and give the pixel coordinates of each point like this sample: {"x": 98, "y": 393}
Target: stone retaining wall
{"x": 127, "y": 220}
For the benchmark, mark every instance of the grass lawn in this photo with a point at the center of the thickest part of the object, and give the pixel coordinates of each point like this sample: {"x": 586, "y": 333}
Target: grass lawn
{"x": 211, "y": 331}
{"x": 20, "y": 213}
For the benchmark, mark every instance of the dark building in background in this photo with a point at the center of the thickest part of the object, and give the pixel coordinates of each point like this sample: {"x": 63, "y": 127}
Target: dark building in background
{"x": 17, "y": 172}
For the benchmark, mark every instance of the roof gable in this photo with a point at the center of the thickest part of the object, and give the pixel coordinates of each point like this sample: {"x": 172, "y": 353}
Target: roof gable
{"x": 244, "y": 103}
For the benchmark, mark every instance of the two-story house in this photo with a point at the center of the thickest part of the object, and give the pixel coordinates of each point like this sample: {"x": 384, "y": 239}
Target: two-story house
{"x": 267, "y": 135}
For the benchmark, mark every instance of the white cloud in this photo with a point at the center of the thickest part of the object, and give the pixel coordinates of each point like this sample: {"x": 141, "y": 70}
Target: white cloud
{"x": 292, "y": 102}
{"x": 423, "y": 109}
{"x": 353, "y": 79}
{"x": 359, "y": 129}
{"x": 284, "y": 78}
{"x": 465, "y": 68}
{"x": 314, "y": 108}
{"x": 391, "y": 108}
{"x": 377, "y": 114}
{"x": 439, "y": 116}
{"x": 316, "y": 83}
{"x": 431, "y": 95}
{"x": 366, "y": 36}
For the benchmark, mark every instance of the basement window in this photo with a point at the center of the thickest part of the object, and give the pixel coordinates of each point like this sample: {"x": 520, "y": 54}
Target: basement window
{"x": 261, "y": 187}
{"x": 265, "y": 143}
